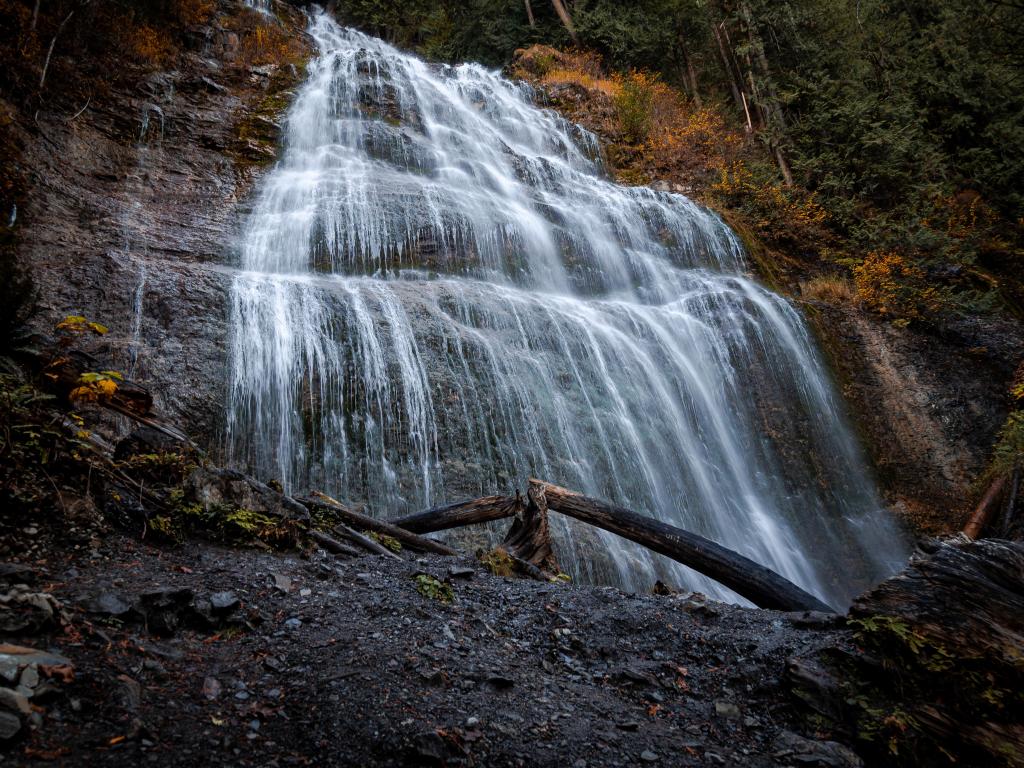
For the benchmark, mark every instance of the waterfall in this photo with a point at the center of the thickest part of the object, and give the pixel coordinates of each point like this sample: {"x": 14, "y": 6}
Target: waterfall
{"x": 442, "y": 293}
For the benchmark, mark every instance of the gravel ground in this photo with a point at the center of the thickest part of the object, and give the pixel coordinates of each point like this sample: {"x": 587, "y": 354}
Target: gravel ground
{"x": 202, "y": 655}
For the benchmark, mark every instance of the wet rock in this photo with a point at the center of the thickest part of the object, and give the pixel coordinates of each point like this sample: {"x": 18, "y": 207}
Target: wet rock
{"x": 634, "y": 675}
{"x": 211, "y": 688}
{"x": 212, "y": 487}
{"x": 430, "y": 746}
{"x": 274, "y": 664}
{"x": 10, "y": 726}
{"x": 23, "y": 611}
{"x": 461, "y": 572}
{"x": 224, "y": 602}
{"x": 800, "y": 750}
{"x": 212, "y": 85}
{"x": 281, "y": 582}
{"x": 648, "y": 757}
{"x": 16, "y": 573}
{"x": 112, "y": 604}
{"x": 14, "y": 702}
{"x": 146, "y": 440}
{"x": 726, "y": 709}
{"x": 815, "y": 620}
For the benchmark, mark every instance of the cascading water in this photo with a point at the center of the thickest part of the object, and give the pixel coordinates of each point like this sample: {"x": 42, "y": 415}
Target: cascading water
{"x": 442, "y": 294}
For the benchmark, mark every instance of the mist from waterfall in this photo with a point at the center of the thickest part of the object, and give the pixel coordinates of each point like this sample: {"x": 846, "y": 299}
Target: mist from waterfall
{"x": 442, "y": 294}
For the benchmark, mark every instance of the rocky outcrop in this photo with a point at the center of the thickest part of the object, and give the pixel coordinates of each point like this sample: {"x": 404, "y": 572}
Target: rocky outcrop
{"x": 133, "y": 205}
{"x": 927, "y": 405}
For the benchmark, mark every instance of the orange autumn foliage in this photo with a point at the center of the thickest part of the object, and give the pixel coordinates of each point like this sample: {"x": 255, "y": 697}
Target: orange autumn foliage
{"x": 891, "y": 285}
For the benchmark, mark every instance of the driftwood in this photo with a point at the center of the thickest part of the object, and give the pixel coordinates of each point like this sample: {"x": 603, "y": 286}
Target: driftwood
{"x": 528, "y": 541}
{"x": 951, "y": 625}
{"x": 461, "y": 513}
{"x": 762, "y": 586}
{"x": 332, "y": 545}
{"x": 986, "y": 508}
{"x": 368, "y": 523}
{"x": 364, "y": 541}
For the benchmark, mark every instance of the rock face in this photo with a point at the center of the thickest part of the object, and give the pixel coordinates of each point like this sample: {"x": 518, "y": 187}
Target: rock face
{"x": 133, "y": 206}
{"x": 927, "y": 406}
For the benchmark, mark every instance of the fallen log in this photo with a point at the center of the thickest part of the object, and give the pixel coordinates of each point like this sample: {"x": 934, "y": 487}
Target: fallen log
{"x": 364, "y": 541}
{"x": 528, "y": 541}
{"x": 762, "y": 586}
{"x": 951, "y": 626}
{"x": 368, "y": 523}
{"x": 331, "y": 544}
{"x": 983, "y": 512}
{"x": 461, "y": 513}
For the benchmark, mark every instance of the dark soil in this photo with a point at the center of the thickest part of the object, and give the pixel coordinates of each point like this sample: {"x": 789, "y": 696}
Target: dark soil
{"x": 344, "y": 662}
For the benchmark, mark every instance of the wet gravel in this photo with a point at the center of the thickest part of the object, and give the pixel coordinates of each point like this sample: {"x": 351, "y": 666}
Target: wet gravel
{"x": 213, "y": 656}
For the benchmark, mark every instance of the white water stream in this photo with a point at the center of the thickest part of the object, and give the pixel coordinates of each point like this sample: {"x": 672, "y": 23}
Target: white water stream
{"x": 443, "y": 294}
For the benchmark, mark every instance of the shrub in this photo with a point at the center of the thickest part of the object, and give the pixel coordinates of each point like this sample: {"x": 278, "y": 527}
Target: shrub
{"x": 777, "y": 212}
{"x": 830, "y": 289}
{"x": 431, "y": 588}
{"x": 634, "y": 104}
{"x": 892, "y": 286}
{"x": 1009, "y": 449}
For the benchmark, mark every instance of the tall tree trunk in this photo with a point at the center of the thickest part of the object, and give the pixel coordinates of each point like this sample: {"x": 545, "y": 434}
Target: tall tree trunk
{"x": 691, "y": 74}
{"x": 529, "y": 13}
{"x": 734, "y": 84}
{"x": 563, "y": 14}
{"x": 774, "y": 118}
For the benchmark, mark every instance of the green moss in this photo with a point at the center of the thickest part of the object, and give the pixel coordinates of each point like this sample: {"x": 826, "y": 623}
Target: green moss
{"x": 256, "y": 133}
{"x": 430, "y": 587}
{"x": 166, "y": 528}
{"x": 498, "y": 562}
{"x": 384, "y": 540}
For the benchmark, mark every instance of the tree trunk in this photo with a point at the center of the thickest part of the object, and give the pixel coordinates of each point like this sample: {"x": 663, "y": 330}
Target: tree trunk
{"x": 332, "y": 545}
{"x": 529, "y": 538}
{"x": 365, "y": 522}
{"x": 983, "y": 512}
{"x": 529, "y": 13}
{"x": 364, "y": 541}
{"x": 691, "y": 74}
{"x": 774, "y": 116}
{"x": 735, "y": 83}
{"x": 461, "y": 513}
{"x": 760, "y": 585}
{"x": 563, "y": 14}
{"x": 945, "y": 639}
